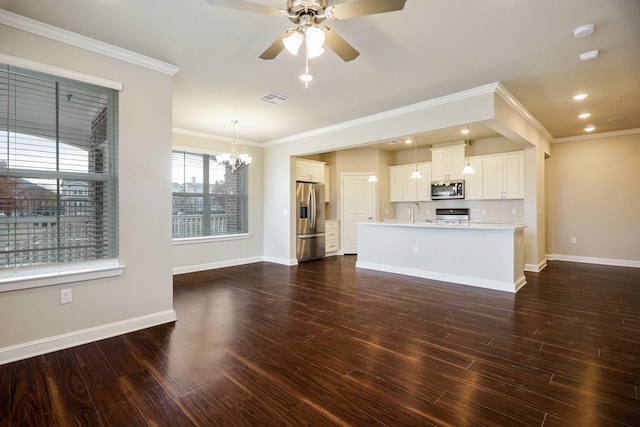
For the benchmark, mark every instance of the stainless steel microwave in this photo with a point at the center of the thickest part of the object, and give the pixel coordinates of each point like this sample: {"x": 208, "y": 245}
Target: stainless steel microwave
{"x": 447, "y": 189}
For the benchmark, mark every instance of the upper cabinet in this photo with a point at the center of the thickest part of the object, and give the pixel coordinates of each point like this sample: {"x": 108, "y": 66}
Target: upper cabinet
{"x": 447, "y": 162}
{"x": 400, "y": 188}
{"x": 309, "y": 170}
{"x": 503, "y": 176}
{"x": 403, "y": 188}
{"x": 327, "y": 184}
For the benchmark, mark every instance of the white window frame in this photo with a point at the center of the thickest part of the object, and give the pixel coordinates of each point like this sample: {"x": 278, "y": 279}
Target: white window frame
{"x": 48, "y": 275}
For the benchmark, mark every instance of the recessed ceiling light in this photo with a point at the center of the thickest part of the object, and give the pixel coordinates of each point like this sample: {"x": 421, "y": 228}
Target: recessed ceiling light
{"x": 408, "y": 141}
{"x": 585, "y": 115}
{"x": 590, "y": 127}
{"x": 583, "y": 30}
{"x": 465, "y": 131}
{"x": 580, "y": 96}
{"x": 592, "y": 54}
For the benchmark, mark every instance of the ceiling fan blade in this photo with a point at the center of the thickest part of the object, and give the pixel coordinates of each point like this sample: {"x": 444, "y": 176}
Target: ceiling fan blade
{"x": 246, "y": 6}
{"x": 366, "y": 7}
{"x": 339, "y": 45}
{"x": 275, "y": 48}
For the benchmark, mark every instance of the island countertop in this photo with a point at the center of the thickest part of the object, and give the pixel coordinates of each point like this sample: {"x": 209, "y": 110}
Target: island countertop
{"x": 485, "y": 255}
{"x": 462, "y": 225}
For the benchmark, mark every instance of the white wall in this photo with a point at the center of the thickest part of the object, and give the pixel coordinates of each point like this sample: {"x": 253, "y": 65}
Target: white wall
{"x": 205, "y": 254}
{"x": 143, "y": 294}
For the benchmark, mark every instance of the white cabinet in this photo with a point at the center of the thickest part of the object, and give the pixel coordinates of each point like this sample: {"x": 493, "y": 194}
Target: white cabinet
{"x": 309, "y": 170}
{"x": 400, "y": 188}
{"x": 403, "y": 188}
{"x": 331, "y": 236}
{"x": 447, "y": 162}
{"x": 473, "y": 182}
{"x": 424, "y": 183}
{"x": 327, "y": 184}
{"x": 503, "y": 176}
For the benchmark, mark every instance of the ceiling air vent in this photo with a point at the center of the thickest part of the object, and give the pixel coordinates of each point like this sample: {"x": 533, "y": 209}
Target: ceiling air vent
{"x": 273, "y": 98}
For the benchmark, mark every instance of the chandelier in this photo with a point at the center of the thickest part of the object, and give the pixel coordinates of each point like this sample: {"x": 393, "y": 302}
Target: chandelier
{"x": 234, "y": 160}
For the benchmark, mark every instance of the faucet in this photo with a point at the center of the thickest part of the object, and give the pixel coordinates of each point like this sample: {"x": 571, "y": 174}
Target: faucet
{"x": 413, "y": 215}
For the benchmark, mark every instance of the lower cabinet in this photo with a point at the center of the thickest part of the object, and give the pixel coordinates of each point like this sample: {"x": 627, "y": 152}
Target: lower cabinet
{"x": 331, "y": 236}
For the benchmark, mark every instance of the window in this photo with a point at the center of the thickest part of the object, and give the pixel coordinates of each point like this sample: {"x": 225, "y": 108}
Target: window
{"x": 208, "y": 198}
{"x": 58, "y": 178}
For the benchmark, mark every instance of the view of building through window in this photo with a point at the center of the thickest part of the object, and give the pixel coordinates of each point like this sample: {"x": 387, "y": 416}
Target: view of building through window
{"x": 57, "y": 170}
{"x": 208, "y": 198}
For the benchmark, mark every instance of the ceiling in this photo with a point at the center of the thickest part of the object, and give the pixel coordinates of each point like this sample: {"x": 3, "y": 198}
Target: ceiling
{"x": 430, "y": 49}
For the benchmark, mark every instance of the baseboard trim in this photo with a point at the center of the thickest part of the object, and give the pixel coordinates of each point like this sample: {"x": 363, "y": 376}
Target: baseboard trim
{"x": 281, "y": 261}
{"x": 536, "y": 268}
{"x": 593, "y": 260}
{"x": 452, "y": 278}
{"x": 83, "y": 336}
{"x": 214, "y": 265}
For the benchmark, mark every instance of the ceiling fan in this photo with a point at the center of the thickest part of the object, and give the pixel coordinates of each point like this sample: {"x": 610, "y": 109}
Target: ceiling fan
{"x": 308, "y": 15}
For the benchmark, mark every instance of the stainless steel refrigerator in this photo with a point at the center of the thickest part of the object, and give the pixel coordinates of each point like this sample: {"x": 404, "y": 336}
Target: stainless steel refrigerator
{"x": 309, "y": 221}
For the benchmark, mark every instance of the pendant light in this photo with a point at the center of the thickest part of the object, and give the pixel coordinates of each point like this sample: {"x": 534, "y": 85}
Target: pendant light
{"x": 234, "y": 160}
{"x": 416, "y": 173}
{"x": 468, "y": 169}
{"x": 373, "y": 177}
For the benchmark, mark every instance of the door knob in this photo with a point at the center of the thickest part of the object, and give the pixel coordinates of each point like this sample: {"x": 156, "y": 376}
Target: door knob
{"x": 369, "y": 218}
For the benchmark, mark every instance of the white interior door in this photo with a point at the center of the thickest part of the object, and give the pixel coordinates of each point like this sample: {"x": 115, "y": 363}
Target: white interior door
{"x": 358, "y": 205}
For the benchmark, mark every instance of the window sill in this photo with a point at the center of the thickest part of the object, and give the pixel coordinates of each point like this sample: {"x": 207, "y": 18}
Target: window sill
{"x": 17, "y": 279}
{"x": 210, "y": 239}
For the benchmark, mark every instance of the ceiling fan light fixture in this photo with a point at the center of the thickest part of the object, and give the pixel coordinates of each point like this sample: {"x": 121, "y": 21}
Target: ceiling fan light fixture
{"x": 293, "y": 42}
{"x": 306, "y": 77}
{"x": 314, "y": 52}
{"x": 314, "y": 37}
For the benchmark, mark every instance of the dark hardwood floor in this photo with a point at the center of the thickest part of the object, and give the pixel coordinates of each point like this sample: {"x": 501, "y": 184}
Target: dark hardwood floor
{"x": 325, "y": 344}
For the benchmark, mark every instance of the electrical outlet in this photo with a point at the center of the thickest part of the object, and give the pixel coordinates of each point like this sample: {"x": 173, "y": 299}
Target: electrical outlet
{"x": 66, "y": 296}
{"x": 574, "y": 240}
{"x": 514, "y": 211}
{"x": 415, "y": 249}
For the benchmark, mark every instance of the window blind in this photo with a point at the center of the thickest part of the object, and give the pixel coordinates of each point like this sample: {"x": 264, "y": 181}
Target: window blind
{"x": 208, "y": 198}
{"x": 58, "y": 177}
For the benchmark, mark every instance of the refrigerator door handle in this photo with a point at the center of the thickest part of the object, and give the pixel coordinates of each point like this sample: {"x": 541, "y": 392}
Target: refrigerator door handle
{"x": 312, "y": 207}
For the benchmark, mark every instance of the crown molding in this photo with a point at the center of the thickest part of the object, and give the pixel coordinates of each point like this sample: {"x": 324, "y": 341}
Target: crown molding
{"x": 205, "y": 135}
{"x": 508, "y": 97}
{"x": 597, "y": 135}
{"x": 420, "y": 106}
{"x": 54, "y": 33}
{"x": 58, "y": 71}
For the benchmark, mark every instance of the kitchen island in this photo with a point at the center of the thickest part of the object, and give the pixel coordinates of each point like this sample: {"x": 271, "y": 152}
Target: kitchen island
{"x": 476, "y": 254}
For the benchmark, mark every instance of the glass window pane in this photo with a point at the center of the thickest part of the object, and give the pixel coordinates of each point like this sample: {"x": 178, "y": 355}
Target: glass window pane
{"x": 58, "y": 186}
{"x": 219, "y": 211}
